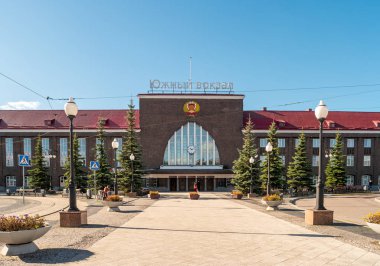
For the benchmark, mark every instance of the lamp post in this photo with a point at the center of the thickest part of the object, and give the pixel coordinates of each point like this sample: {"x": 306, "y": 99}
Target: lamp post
{"x": 268, "y": 149}
{"x": 251, "y": 161}
{"x": 321, "y": 112}
{"x": 132, "y": 158}
{"x": 115, "y": 146}
{"x": 71, "y": 110}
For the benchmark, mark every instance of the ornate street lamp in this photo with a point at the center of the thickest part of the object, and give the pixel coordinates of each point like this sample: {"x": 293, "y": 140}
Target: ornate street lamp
{"x": 268, "y": 149}
{"x": 71, "y": 110}
{"x": 132, "y": 158}
{"x": 115, "y": 146}
{"x": 319, "y": 215}
{"x": 321, "y": 112}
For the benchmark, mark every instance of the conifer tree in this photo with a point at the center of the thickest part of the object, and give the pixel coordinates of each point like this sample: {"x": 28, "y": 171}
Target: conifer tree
{"x": 335, "y": 169}
{"x": 299, "y": 170}
{"x": 131, "y": 146}
{"x": 242, "y": 168}
{"x": 276, "y": 164}
{"x": 103, "y": 176}
{"x": 38, "y": 175}
{"x": 79, "y": 171}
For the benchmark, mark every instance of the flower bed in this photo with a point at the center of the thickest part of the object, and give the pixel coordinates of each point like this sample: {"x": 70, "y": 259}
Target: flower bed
{"x": 194, "y": 195}
{"x": 114, "y": 198}
{"x": 22, "y": 222}
{"x": 236, "y": 194}
{"x": 154, "y": 194}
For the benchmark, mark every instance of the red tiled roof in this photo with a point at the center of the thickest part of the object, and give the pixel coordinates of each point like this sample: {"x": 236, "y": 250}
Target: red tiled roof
{"x": 86, "y": 119}
{"x": 306, "y": 120}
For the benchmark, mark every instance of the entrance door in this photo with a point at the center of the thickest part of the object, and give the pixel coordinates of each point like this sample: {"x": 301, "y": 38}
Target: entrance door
{"x": 173, "y": 183}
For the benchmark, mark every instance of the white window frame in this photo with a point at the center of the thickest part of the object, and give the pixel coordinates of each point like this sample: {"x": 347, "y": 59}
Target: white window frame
{"x": 367, "y": 143}
{"x": 263, "y": 142}
{"x": 350, "y": 180}
{"x": 315, "y": 160}
{"x": 332, "y": 143}
{"x": 11, "y": 181}
{"x": 63, "y": 151}
{"x": 367, "y": 160}
{"x": 9, "y": 157}
{"x": 27, "y": 146}
{"x": 350, "y": 143}
{"x": 281, "y": 143}
{"x": 365, "y": 180}
{"x": 296, "y": 142}
{"x": 45, "y": 150}
{"x": 316, "y": 143}
{"x": 83, "y": 149}
{"x": 350, "y": 160}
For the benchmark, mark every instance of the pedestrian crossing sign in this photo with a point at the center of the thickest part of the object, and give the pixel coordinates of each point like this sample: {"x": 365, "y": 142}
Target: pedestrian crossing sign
{"x": 23, "y": 160}
{"x": 94, "y": 165}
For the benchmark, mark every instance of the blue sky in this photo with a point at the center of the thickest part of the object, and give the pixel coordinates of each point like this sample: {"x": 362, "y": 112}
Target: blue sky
{"x": 266, "y": 48}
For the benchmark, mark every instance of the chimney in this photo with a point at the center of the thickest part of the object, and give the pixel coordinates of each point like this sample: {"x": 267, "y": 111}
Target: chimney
{"x": 310, "y": 110}
{"x": 264, "y": 108}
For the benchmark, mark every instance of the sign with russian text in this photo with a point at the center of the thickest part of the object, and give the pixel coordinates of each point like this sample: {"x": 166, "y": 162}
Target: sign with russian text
{"x": 190, "y": 86}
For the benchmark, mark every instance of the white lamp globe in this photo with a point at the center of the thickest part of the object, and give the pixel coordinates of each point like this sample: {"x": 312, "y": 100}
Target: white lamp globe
{"x": 71, "y": 108}
{"x": 115, "y": 144}
{"x": 132, "y": 157}
{"x": 321, "y": 111}
{"x": 269, "y": 147}
{"x": 251, "y": 160}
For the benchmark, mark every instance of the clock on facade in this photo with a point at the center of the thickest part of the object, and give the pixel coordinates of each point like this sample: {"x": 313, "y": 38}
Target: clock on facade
{"x": 191, "y": 149}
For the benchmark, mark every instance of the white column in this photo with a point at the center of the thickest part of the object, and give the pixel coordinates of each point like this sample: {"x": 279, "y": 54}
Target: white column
{"x": 187, "y": 183}
{"x": 177, "y": 183}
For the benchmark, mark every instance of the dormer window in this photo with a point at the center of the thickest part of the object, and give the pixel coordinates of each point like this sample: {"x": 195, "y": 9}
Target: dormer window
{"x": 377, "y": 123}
{"x": 331, "y": 124}
{"x": 49, "y": 122}
{"x": 281, "y": 123}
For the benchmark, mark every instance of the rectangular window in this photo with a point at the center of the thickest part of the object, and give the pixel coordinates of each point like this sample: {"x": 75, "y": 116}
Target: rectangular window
{"x": 45, "y": 151}
{"x": 262, "y": 159}
{"x": 10, "y": 181}
{"x": 63, "y": 151}
{"x": 367, "y": 160}
{"x": 332, "y": 143}
{"x": 9, "y": 152}
{"x": 82, "y": 149}
{"x": 315, "y": 161}
{"x": 350, "y": 180}
{"x": 350, "y": 160}
{"x": 282, "y": 159}
{"x": 350, "y": 143}
{"x": 263, "y": 143}
{"x": 28, "y": 146}
{"x": 297, "y": 141}
{"x": 281, "y": 143}
{"x": 315, "y": 143}
{"x": 367, "y": 143}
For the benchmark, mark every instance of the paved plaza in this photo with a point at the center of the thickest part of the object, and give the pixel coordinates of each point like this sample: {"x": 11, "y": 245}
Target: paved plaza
{"x": 210, "y": 231}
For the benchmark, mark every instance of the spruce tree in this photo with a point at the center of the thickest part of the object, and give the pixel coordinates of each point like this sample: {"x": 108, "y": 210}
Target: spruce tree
{"x": 103, "y": 176}
{"x": 38, "y": 175}
{"x": 242, "y": 168}
{"x": 335, "y": 169}
{"x": 299, "y": 170}
{"x": 131, "y": 146}
{"x": 79, "y": 171}
{"x": 276, "y": 164}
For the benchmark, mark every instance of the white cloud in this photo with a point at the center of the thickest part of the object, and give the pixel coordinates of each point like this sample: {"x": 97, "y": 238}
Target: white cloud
{"x": 20, "y": 105}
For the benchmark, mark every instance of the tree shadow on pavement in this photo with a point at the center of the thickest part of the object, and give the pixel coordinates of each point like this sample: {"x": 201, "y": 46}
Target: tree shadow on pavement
{"x": 56, "y": 255}
{"x": 130, "y": 211}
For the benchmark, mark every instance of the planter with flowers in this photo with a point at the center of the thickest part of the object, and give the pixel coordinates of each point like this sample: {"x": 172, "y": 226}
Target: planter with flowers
{"x": 272, "y": 201}
{"x": 113, "y": 202}
{"x": 154, "y": 194}
{"x": 19, "y": 232}
{"x": 373, "y": 221}
{"x": 236, "y": 194}
{"x": 194, "y": 195}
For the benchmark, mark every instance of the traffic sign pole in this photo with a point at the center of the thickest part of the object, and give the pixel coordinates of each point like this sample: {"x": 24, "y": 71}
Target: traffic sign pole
{"x": 96, "y": 194}
{"x": 23, "y": 185}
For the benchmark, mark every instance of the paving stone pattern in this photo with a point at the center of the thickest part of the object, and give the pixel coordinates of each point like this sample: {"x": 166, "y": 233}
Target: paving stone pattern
{"x": 215, "y": 231}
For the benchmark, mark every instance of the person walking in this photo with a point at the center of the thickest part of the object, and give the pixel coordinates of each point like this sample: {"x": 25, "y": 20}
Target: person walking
{"x": 195, "y": 187}
{"x": 105, "y": 192}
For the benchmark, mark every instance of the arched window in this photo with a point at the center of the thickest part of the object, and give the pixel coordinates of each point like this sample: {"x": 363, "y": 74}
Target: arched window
{"x": 191, "y": 145}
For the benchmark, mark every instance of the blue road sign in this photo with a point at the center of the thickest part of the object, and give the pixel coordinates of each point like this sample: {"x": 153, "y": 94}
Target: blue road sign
{"x": 94, "y": 165}
{"x": 23, "y": 160}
